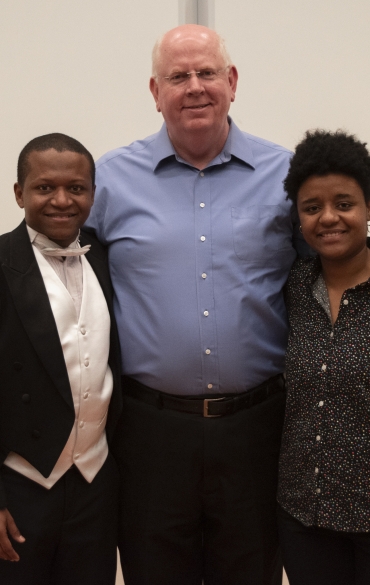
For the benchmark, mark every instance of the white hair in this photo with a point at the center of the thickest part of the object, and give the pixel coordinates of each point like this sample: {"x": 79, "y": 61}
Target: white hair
{"x": 158, "y": 45}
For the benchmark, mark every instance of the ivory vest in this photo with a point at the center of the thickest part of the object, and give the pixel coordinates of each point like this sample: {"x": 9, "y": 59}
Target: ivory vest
{"x": 85, "y": 344}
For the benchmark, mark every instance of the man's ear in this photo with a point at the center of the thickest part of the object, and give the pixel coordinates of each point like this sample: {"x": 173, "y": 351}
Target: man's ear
{"x": 233, "y": 80}
{"x": 19, "y": 195}
{"x": 153, "y": 86}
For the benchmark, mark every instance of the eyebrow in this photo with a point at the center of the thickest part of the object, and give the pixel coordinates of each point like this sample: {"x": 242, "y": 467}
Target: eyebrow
{"x": 337, "y": 197}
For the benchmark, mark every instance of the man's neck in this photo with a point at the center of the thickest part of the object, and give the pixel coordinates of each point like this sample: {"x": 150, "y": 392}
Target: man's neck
{"x": 201, "y": 147}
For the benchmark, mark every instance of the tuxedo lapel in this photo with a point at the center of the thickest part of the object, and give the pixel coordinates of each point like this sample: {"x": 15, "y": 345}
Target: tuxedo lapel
{"x": 99, "y": 264}
{"x": 32, "y": 304}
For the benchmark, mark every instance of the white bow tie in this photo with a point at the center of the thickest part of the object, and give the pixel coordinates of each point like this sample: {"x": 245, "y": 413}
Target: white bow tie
{"x": 65, "y": 251}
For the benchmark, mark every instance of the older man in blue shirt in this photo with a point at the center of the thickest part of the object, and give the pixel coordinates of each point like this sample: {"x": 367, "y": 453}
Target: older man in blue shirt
{"x": 201, "y": 240}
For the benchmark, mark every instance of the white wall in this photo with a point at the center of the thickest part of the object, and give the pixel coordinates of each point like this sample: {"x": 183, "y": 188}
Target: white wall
{"x": 302, "y": 63}
{"x": 82, "y": 67}
{"x": 75, "y": 66}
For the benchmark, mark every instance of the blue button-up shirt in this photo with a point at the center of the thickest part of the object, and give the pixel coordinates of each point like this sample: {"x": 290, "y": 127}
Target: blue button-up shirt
{"x": 198, "y": 261}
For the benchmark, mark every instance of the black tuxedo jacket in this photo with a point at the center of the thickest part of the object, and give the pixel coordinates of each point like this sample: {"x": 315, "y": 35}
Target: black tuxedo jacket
{"x": 36, "y": 406}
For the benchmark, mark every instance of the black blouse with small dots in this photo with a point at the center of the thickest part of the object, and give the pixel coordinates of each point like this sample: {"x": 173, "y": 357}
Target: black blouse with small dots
{"x": 325, "y": 455}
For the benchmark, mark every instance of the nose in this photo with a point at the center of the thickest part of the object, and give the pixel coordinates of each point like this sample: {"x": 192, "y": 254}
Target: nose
{"x": 194, "y": 84}
{"x": 61, "y": 197}
{"x": 329, "y": 215}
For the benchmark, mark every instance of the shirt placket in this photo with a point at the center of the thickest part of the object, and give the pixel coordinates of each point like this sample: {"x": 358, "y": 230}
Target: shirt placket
{"x": 322, "y": 405}
{"x": 205, "y": 282}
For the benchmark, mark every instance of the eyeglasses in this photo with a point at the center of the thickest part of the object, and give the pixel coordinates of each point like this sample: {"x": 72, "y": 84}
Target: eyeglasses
{"x": 182, "y": 77}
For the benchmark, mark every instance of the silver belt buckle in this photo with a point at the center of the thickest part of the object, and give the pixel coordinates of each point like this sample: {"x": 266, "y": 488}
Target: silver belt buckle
{"x": 206, "y": 401}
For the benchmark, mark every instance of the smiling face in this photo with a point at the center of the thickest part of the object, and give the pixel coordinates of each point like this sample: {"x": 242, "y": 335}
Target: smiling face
{"x": 333, "y": 215}
{"x": 57, "y": 194}
{"x": 196, "y": 105}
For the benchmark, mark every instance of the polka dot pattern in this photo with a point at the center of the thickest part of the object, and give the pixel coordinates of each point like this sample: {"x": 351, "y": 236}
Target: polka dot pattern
{"x": 325, "y": 456}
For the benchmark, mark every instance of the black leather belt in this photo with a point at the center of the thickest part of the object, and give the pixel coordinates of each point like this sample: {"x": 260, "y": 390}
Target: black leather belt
{"x": 206, "y": 407}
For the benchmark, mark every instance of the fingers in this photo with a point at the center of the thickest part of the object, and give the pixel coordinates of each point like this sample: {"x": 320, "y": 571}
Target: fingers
{"x": 7, "y": 552}
{"x": 13, "y": 529}
{"x": 8, "y": 526}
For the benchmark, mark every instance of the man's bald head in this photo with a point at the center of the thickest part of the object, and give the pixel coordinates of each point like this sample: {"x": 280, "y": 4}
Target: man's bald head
{"x": 184, "y": 34}
{"x": 193, "y": 86}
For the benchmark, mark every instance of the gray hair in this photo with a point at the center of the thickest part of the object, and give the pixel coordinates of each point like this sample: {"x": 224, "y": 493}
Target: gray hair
{"x": 157, "y": 51}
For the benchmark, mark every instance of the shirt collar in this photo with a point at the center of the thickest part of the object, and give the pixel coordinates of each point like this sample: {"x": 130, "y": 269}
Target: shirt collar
{"x": 235, "y": 145}
{"x": 42, "y": 240}
{"x": 313, "y": 269}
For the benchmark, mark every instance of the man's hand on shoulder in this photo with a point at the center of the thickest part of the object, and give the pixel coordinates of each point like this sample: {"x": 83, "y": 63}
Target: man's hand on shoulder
{"x": 8, "y": 528}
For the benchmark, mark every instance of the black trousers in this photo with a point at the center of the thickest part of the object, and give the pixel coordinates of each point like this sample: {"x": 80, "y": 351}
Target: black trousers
{"x": 198, "y": 501}
{"x": 317, "y": 556}
{"x": 70, "y": 530}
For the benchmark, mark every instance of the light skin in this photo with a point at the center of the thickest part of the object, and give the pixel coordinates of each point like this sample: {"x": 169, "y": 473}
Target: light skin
{"x": 196, "y": 112}
{"x": 333, "y": 214}
{"x": 56, "y": 196}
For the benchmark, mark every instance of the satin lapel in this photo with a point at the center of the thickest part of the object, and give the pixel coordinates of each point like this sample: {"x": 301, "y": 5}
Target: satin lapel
{"x": 99, "y": 263}
{"x": 100, "y": 266}
{"x": 32, "y": 304}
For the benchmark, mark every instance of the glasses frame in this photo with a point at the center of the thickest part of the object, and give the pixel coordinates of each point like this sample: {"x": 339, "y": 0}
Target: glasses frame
{"x": 189, "y": 74}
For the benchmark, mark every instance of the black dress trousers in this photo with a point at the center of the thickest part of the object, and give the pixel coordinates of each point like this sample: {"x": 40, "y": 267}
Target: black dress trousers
{"x": 70, "y": 530}
{"x": 198, "y": 501}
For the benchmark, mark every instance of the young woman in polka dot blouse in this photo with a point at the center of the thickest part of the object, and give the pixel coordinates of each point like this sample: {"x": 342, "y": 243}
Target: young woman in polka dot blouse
{"x": 324, "y": 486}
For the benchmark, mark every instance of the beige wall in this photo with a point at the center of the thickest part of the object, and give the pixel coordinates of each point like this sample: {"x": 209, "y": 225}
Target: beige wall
{"x": 75, "y": 66}
{"x": 82, "y": 67}
{"x": 303, "y": 64}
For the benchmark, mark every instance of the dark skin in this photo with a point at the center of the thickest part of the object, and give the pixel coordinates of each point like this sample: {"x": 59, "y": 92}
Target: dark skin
{"x": 56, "y": 196}
{"x": 334, "y": 215}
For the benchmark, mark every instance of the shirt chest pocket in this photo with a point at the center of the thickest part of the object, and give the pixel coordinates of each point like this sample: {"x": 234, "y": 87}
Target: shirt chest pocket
{"x": 262, "y": 234}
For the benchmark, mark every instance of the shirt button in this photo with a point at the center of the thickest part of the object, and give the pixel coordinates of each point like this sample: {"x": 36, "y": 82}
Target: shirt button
{"x": 81, "y": 424}
{"x": 204, "y": 275}
{"x": 76, "y": 456}
{"x": 318, "y": 491}
{"x": 316, "y": 470}
{"x": 206, "y": 313}
{"x": 83, "y": 330}
{"x": 202, "y": 238}
{"x": 201, "y": 174}
{"x": 345, "y": 302}
{"x": 323, "y": 367}
{"x": 332, "y": 334}
{"x": 202, "y": 204}
{"x": 318, "y": 438}
{"x": 86, "y": 395}
{"x": 208, "y": 351}
{"x": 86, "y": 362}
{"x": 321, "y": 403}
{"x": 210, "y": 386}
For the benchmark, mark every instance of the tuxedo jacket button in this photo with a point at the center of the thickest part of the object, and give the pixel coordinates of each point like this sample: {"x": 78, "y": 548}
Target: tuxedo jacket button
{"x": 26, "y": 398}
{"x": 36, "y": 434}
{"x": 17, "y": 366}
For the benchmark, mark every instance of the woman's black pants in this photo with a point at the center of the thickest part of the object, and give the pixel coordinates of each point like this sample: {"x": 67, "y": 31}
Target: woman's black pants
{"x": 318, "y": 556}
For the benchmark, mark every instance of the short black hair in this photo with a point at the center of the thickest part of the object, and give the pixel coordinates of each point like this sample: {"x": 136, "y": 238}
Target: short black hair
{"x": 60, "y": 143}
{"x": 321, "y": 153}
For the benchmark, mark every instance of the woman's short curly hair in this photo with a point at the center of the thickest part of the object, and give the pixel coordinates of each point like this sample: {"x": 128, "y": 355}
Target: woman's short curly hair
{"x": 321, "y": 153}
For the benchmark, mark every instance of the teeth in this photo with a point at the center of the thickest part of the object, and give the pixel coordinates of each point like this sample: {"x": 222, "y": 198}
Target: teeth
{"x": 331, "y": 234}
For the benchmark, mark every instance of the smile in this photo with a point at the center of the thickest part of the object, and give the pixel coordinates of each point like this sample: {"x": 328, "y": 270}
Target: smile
{"x": 331, "y": 234}
{"x": 60, "y": 217}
